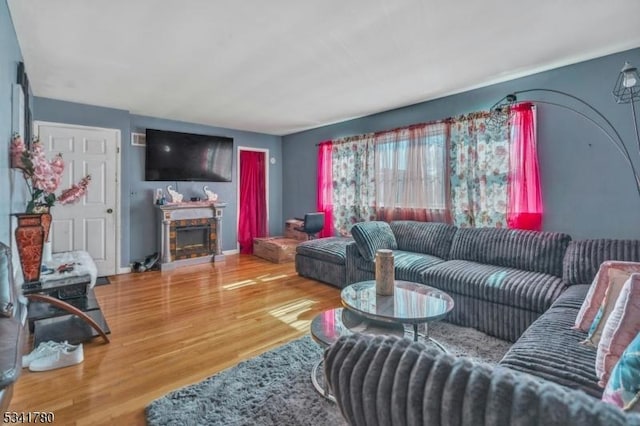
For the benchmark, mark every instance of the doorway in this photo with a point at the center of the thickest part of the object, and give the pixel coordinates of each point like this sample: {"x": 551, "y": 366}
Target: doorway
{"x": 92, "y": 223}
{"x": 253, "y": 190}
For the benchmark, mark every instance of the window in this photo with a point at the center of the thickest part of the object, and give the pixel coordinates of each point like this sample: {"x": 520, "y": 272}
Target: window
{"x": 411, "y": 168}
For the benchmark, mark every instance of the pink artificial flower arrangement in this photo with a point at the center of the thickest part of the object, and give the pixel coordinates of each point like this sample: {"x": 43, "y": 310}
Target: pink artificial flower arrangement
{"x": 43, "y": 176}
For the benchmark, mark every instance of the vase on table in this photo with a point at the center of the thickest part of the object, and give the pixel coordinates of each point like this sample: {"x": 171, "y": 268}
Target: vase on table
{"x": 385, "y": 272}
{"x": 30, "y": 237}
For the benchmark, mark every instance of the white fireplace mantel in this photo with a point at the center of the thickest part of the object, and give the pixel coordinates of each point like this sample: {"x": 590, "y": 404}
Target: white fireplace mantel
{"x": 185, "y": 211}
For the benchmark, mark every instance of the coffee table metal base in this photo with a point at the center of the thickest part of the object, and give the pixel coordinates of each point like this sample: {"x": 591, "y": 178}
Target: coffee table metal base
{"x": 425, "y": 336}
{"x": 328, "y": 326}
{"x": 321, "y": 384}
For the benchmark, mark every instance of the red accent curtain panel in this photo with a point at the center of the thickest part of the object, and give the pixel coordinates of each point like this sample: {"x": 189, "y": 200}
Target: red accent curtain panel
{"x": 325, "y": 187}
{"x": 252, "y": 221}
{"x": 524, "y": 203}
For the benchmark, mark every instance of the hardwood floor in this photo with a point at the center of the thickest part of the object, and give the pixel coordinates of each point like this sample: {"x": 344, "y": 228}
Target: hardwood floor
{"x": 172, "y": 329}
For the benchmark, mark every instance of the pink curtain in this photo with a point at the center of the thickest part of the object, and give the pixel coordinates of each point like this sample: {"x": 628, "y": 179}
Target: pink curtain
{"x": 252, "y": 221}
{"x": 524, "y": 204}
{"x": 325, "y": 187}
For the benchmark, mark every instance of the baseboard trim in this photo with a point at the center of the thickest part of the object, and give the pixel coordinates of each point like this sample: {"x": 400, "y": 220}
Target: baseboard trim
{"x": 127, "y": 269}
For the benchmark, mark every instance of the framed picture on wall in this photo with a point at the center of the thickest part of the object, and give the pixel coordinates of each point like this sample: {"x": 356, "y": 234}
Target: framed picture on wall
{"x": 23, "y": 80}
{"x": 17, "y": 110}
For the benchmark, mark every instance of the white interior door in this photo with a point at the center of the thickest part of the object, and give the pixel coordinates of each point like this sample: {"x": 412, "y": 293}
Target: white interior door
{"x": 91, "y": 223}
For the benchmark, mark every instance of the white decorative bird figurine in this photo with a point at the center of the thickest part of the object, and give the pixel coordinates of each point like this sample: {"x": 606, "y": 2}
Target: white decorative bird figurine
{"x": 211, "y": 196}
{"x": 176, "y": 197}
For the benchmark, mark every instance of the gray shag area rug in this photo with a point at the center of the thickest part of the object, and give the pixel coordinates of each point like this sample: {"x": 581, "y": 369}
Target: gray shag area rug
{"x": 275, "y": 388}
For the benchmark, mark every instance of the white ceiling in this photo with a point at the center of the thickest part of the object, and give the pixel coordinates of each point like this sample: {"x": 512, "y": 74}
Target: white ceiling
{"x": 282, "y": 66}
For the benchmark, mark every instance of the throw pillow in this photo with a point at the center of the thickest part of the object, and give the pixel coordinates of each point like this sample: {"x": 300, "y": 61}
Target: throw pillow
{"x": 596, "y": 293}
{"x": 621, "y": 327}
{"x": 617, "y": 279}
{"x": 623, "y": 388}
{"x": 371, "y": 236}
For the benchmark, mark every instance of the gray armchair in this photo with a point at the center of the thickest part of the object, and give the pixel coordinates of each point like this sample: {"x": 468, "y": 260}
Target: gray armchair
{"x": 385, "y": 380}
{"x": 11, "y": 330}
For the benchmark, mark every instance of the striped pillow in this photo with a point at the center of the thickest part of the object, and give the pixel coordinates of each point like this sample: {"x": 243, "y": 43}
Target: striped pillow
{"x": 621, "y": 327}
{"x": 617, "y": 278}
{"x": 372, "y": 236}
{"x": 597, "y": 291}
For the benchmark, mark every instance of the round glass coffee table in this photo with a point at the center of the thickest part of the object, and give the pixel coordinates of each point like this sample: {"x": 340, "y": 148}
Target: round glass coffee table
{"x": 328, "y": 326}
{"x": 411, "y": 303}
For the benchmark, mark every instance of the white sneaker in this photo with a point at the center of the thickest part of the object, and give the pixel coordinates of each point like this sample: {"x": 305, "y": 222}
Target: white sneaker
{"x": 43, "y": 349}
{"x": 65, "y": 356}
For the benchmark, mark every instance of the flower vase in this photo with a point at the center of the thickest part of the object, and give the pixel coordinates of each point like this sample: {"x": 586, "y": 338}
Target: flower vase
{"x": 29, "y": 241}
{"x": 45, "y": 219}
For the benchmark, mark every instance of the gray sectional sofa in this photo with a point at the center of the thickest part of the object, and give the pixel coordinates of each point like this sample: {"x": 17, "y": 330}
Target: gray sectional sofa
{"x": 324, "y": 259}
{"x": 500, "y": 279}
{"x": 521, "y": 286}
{"x": 385, "y": 380}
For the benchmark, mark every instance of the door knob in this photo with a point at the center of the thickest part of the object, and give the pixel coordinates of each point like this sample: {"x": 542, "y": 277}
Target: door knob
{"x": 109, "y": 211}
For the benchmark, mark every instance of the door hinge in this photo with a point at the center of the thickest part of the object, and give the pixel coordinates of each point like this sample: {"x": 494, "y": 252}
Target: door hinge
{"x": 117, "y": 150}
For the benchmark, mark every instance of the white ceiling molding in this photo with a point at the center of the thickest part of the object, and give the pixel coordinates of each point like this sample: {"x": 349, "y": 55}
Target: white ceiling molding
{"x": 284, "y": 66}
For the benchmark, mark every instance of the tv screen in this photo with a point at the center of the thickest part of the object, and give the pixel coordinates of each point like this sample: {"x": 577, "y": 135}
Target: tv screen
{"x": 175, "y": 156}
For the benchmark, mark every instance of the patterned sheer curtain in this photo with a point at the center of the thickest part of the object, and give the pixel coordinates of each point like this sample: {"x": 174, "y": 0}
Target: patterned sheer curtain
{"x": 411, "y": 174}
{"x": 354, "y": 194}
{"x": 479, "y": 170}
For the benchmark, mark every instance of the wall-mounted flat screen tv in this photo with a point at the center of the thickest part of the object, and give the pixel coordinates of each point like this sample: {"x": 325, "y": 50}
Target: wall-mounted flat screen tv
{"x": 175, "y": 156}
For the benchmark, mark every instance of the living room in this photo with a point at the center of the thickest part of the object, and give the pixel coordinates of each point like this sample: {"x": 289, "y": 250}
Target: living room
{"x": 589, "y": 191}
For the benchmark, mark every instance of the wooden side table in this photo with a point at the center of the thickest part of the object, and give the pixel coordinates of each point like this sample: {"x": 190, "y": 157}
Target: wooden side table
{"x": 63, "y": 305}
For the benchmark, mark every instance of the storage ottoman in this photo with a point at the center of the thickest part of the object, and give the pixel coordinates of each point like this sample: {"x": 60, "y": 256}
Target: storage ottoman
{"x": 290, "y": 230}
{"x": 275, "y": 249}
{"x": 324, "y": 259}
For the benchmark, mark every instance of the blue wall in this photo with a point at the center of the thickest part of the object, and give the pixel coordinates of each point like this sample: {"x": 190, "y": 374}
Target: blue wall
{"x": 138, "y": 228}
{"x": 141, "y": 192}
{"x": 10, "y": 56}
{"x": 588, "y": 190}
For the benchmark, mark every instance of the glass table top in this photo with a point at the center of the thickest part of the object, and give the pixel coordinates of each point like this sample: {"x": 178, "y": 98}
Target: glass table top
{"x": 410, "y": 303}
{"x": 328, "y": 326}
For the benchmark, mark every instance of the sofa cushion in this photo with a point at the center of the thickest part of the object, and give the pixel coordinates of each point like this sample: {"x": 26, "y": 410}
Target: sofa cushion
{"x": 408, "y": 266}
{"x": 622, "y": 388}
{"x": 528, "y": 250}
{"x": 332, "y": 249}
{"x": 372, "y": 236}
{"x": 512, "y": 287}
{"x": 620, "y": 329}
{"x": 551, "y": 349}
{"x": 617, "y": 278}
{"x": 598, "y": 289}
{"x": 424, "y": 237}
{"x": 584, "y": 257}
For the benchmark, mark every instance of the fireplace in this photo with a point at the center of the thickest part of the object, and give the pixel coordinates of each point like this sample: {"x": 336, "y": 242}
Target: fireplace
{"x": 192, "y": 238}
{"x": 189, "y": 234}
